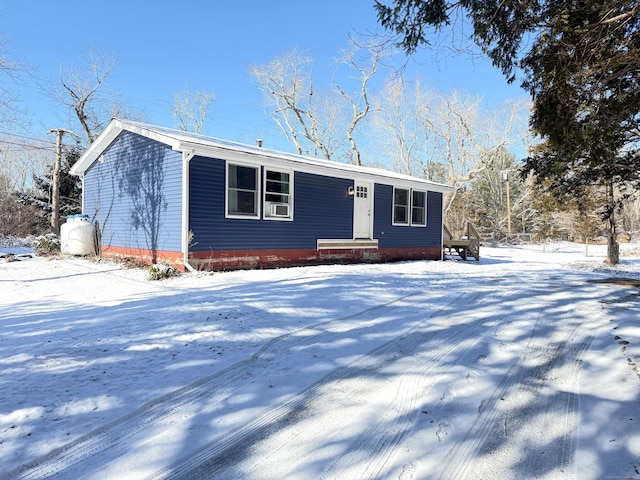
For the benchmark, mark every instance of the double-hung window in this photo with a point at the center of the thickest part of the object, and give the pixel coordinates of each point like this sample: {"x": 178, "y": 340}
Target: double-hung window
{"x": 242, "y": 191}
{"x": 255, "y": 191}
{"x": 418, "y": 207}
{"x": 409, "y": 207}
{"x": 278, "y": 194}
{"x": 400, "y": 206}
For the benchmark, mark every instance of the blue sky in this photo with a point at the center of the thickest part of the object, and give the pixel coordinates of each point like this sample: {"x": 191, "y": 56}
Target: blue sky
{"x": 160, "y": 46}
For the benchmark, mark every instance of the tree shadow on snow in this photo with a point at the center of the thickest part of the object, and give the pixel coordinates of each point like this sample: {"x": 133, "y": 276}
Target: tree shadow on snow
{"x": 248, "y": 368}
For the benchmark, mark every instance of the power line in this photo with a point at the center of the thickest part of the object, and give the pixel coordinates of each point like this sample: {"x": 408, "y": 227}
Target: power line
{"x": 155, "y": 107}
{"x": 27, "y": 138}
{"x": 10, "y": 139}
{"x": 26, "y": 145}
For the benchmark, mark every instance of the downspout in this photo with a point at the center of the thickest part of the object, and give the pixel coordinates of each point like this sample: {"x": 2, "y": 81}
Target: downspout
{"x": 186, "y": 189}
{"x": 442, "y": 228}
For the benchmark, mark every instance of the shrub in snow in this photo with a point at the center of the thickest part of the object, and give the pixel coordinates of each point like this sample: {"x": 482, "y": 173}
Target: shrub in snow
{"x": 159, "y": 271}
{"x": 49, "y": 243}
{"x": 13, "y": 241}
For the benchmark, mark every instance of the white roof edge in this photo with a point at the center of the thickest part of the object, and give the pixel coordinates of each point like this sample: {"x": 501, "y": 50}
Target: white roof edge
{"x": 313, "y": 163}
{"x": 99, "y": 144}
{"x": 109, "y": 134}
{"x": 200, "y": 144}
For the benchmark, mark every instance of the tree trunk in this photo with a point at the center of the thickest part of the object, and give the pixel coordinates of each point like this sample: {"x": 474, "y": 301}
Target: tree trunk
{"x": 613, "y": 248}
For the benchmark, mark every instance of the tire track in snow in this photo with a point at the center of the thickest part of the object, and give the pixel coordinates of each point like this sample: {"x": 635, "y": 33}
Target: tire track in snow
{"x": 527, "y": 379}
{"x": 218, "y": 459}
{"x": 113, "y": 440}
{"x": 488, "y": 412}
{"x": 370, "y": 454}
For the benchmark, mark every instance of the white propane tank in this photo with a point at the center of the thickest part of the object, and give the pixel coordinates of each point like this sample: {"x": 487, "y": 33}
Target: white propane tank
{"x": 78, "y": 237}
{"x": 64, "y": 233}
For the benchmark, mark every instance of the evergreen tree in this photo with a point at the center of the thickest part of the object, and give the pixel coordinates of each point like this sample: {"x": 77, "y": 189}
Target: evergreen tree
{"x": 70, "y": 189}
{"x": 579, "y": 62}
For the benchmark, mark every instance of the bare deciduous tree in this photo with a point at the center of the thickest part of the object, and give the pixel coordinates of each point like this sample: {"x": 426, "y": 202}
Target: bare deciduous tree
{"x": 400, "y": 112}
{"x": 316, "y": 121}
{"x": 445, "y": 138}
{"x": 12, "y": 116}
{"x": 85, "y": 91}
{"x": 91, "y": 105}
{"x": 191, "y": 110}
{"x": 20, "y": 160}
{"x": 287, "y": 86}
{"x": 631, "y": 215}
{"x": 462, "y": 134}
{"x": 366, "y": 60}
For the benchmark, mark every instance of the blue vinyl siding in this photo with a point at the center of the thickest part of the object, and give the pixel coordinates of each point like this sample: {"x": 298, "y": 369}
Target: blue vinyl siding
{"x": 134, "y": 193}
{"x": 322, "y": 209}
{"x": 390, "y": 236}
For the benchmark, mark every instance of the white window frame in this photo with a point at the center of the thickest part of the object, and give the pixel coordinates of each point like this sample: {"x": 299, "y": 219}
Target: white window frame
{"x": 424, "y": 222}
{"x": 257, "y": 193}
{"x": 409, "y": 206}
{"x": 267, "y": 204}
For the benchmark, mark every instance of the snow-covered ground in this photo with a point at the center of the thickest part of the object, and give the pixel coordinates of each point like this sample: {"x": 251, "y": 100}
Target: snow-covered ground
{"x": 523, "y": 365}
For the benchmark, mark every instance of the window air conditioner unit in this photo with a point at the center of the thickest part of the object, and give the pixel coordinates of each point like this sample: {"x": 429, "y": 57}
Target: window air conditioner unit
{"x": 279, "y": 210}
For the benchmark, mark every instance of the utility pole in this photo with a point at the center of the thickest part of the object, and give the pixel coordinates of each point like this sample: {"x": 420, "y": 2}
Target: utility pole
{"x": 505, "y": 177}
{"x": 55, "y": 183}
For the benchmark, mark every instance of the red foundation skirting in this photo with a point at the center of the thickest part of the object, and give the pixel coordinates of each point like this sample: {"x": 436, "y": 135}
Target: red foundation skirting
{"x": 228, "y": 260}
{"x": 247, "y": 259}
{"x": 145, "y": 256}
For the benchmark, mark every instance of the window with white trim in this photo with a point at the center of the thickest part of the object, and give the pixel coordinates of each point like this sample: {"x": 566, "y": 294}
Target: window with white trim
{"x": 418, "y": 208}
{"x": 400, "y": 206}
{"x": 278, "y": 194}
{"x": 409, "y": 207}
{"x": 242, "y": 191}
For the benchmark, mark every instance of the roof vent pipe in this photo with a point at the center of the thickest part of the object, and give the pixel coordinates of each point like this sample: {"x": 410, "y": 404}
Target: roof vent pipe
{"x": 259, "y": 142}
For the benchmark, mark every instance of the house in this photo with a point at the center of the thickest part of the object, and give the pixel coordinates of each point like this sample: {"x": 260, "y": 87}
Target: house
{"x": 163, "y": 195}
